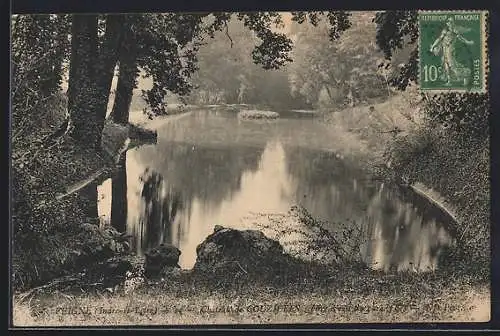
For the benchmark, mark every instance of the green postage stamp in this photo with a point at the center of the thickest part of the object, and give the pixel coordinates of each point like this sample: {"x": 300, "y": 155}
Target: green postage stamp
{"x": 452, "y": 51}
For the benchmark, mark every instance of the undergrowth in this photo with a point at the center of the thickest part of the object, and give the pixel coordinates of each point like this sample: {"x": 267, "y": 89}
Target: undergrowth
{"x": 46, "y": 225}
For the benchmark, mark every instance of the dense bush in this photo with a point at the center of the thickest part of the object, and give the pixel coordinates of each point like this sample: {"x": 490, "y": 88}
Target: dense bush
{"x": 465, "y": 114}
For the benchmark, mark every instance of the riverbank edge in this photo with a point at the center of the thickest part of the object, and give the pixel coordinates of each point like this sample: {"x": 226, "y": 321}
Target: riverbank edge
{"x": 428, "y": 179}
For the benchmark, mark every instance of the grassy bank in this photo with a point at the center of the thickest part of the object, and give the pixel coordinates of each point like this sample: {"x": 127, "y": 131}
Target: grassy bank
{"x": 49, "y": 216}
{"x": 298, "y": 291}
{"x": 309, "y": 295}
{"x": 458, "y": 169}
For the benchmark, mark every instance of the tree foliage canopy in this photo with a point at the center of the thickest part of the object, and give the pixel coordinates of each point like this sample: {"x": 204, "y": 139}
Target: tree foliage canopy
{"x": 342, "y": 68}
{"x": 270, "y": 49}
{"x": 39, "y": 45}
{"x": 334, "y": 52}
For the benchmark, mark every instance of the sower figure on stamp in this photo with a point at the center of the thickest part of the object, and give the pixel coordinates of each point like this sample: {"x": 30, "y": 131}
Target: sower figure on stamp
{"x": 444, "y": 45}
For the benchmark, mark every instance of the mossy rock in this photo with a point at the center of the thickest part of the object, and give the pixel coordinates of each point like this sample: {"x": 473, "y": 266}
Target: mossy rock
{"x": 246, "y": 251}
{"x": 160, "y": 257}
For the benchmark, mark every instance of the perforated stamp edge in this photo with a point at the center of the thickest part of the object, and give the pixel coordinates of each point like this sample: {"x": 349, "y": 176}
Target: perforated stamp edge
{"x": 484, "y": 51}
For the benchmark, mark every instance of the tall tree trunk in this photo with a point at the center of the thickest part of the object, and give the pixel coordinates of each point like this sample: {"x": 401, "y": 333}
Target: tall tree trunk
{"x": 119, "y": 196}
{"x": 126, "y": 79}
{"x": 81, "y": 90}
{"x": 91, "y": 74}
{"x": 108, "y": 57}
{"x": 124, "y": 89}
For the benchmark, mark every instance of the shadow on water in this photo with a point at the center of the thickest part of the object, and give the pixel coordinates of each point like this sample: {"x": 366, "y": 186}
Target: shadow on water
{"x": 209, "y": 169}
{"x": 159, "y": 209}
{"x": 119, "y": 204}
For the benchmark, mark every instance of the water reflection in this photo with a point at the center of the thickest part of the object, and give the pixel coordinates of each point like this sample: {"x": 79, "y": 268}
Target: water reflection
{"x": 158, "y": 211}
{"x": 327, "y": 187}
{"x": 203, "y": 172}
{"x": 405, "y": 234}
{"x": 119, "y": 205}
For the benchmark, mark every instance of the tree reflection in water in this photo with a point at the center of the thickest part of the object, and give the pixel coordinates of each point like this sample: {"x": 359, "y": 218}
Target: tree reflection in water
{"x": 119, "y": 206}
{"x": 182, "y": 175}
{"x": 327, "y": 187}
{"x": 159, "y": 209}
{"x": 208, "y": 173}
{"x": 406, "y": 235}
{"x": 401, "y": 231}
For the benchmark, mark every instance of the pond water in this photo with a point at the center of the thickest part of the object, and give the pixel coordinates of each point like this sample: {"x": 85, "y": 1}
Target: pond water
{"x": 210, "y": 168}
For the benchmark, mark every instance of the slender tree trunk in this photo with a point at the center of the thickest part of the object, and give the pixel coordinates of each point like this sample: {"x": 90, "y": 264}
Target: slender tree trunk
{"x": 119, "y": 197}
{"x": 124, "y": 89}
{"x": 327, "y": 87}
{"x": 128, "y": 72}
{"x": 108, "y": 57}
{"x": 351, "y": 96}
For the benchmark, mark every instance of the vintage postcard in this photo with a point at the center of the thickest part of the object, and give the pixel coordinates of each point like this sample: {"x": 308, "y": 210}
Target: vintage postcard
{"x": 236, "y": 168}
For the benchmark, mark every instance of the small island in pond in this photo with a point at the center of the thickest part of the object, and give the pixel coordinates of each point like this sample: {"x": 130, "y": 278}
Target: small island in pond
{"x": 257, "y": 114}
